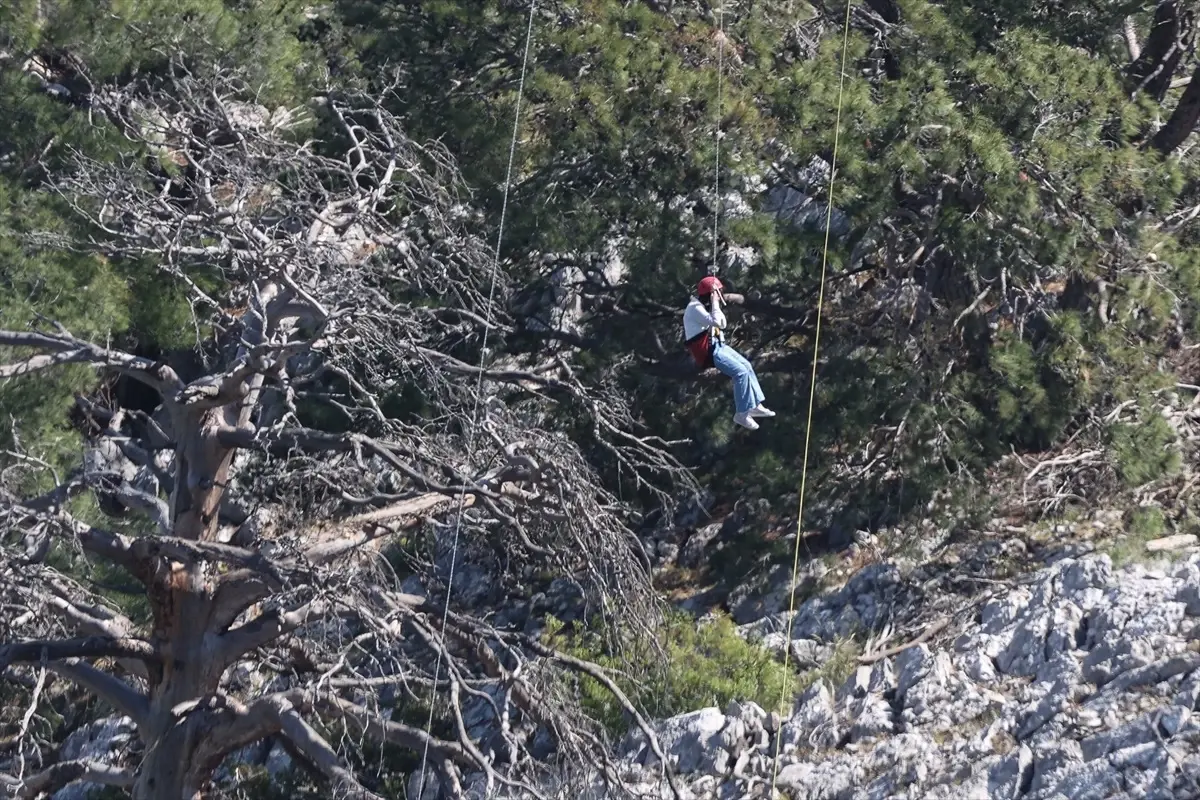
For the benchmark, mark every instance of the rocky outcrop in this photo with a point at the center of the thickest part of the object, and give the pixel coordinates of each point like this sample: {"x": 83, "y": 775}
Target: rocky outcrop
{"x": 106, "y": 741}
{"x": 1081, "y": 683}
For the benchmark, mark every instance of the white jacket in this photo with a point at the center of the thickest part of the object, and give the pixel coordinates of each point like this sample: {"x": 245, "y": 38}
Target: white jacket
{"x": 697, "y": 318}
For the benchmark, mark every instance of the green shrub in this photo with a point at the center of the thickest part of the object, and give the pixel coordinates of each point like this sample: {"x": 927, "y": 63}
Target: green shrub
{"x": 1147, "y": 523}
{"x": 1141, "y": 526}
{"x": 693, "y": 665}
{"x": 1143, "y": 451}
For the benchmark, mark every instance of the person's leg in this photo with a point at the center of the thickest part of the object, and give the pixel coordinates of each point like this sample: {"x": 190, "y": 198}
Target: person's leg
{"x": 727, "y": 361}
{"x": 756, "y": 392}
{"x": 730, "y": 363}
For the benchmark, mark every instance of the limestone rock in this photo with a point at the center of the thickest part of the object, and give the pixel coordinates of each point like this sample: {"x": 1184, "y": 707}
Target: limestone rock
{"x": 1063, "y": 688}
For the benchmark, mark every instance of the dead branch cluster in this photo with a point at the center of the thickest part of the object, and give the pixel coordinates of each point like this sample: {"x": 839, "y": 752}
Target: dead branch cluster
{"x": 335, "y": 398}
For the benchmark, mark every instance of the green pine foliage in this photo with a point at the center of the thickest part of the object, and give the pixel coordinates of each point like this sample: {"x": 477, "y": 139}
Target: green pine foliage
{"x": 1145, "y": 450}
{"x": 37, "y": 283}
{"x": 119, "y": 39}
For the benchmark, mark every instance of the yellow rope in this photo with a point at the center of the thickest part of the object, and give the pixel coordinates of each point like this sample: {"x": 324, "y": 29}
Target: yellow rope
{"x": 812, "y": 386}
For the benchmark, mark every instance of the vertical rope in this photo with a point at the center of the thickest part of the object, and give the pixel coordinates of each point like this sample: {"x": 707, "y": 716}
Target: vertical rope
{"x": 473, "y": 430}
{"x": 812, "y": 385}
{"x": 717, "y": 166}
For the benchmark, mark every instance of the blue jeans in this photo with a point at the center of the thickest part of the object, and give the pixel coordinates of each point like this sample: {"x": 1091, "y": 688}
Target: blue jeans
{"x": 747, "y": 394}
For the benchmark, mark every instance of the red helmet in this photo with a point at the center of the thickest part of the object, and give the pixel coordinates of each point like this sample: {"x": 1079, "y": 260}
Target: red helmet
{"x": 708, "y": 285}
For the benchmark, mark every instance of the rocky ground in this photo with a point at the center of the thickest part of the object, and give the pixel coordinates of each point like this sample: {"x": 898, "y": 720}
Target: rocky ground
{"x": 1002, "y": 666}
{"x": 1078, "y": 682}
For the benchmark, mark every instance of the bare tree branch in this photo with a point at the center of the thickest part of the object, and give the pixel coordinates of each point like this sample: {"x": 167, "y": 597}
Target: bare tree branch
{"x": 236, "y": 591}
{"x": 350, "y": 275}
{"x": 64, "y": 773}
{"x": 114, "y": 691}
{"x": 189, "y": 552}
{"x": 366, "y": 721}
{"x": 96, "y": 621}
{"x": 113, "y": 547}
{"x": 595, "y": 672}
{"x": 312, "y": 745}
{"x": 88, "y": 647}
{"x": 1183, "y": 120}
{"x": 266, "y": 628}
{"x": 1133, "y": 42}
{"x": 64, "y": 348}
{"x": 1170, "y": 38}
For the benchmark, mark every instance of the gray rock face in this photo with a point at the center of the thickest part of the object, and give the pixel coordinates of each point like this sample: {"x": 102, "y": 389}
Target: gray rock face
{"x": 1082, "y": 685}
{"x": 806, "y": 653}
{"x": 105, "y": 741}
{"x": 693, "y": 551}
{"x": 691, "y": 742}
{"x": 864, "y": 602}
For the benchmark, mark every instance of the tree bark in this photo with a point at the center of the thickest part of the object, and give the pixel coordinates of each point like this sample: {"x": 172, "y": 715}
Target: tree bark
{"x": 1182, "y": 121}
{"x": 1132, "y": 43}
{"x": 202, "y": 467}
{"x": 66, "y": 772}
{"x": 178, "y": 722}
{"x": 1155, "y": 65}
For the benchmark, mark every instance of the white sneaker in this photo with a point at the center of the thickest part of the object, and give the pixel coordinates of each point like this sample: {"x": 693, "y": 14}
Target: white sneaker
{"x": 761, "y": 411}
{"x": 745, "y": 421}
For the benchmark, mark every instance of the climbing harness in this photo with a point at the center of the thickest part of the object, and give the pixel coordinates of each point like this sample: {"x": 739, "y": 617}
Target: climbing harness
{"x": 812, "y": 383}
{"x": 512, "y": 150}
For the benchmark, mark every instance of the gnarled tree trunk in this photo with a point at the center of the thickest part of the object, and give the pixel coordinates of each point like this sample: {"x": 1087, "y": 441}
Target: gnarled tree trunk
{"x": 1182, "y": 121}
{"x": 174, "y": 727}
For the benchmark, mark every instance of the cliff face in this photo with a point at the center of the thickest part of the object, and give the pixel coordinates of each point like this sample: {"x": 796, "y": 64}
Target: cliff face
{"x": 1079, "y": 681}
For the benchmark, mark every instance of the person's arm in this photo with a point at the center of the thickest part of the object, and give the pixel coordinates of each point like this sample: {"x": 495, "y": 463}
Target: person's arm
{"x": 700, "y": 315}
{"x": 717, "y": 317}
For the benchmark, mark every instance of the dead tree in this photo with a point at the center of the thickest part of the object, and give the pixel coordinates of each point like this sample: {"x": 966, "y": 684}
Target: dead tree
{"x": 332, "y": 264}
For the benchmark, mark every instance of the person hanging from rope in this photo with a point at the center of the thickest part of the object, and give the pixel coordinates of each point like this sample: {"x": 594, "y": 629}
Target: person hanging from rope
{"x": 703, "y": 322}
